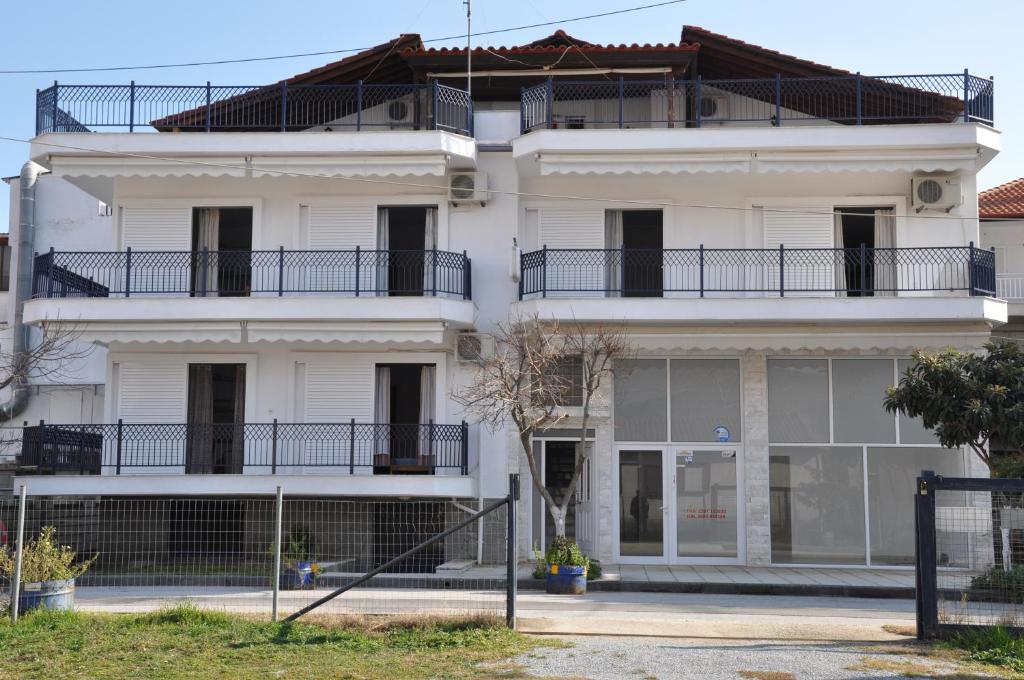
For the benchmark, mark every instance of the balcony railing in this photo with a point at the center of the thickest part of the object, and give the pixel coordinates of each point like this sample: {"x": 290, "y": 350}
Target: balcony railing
{"x": 849, "y": 100}
{"x": 284, "y": 107}
{"x": 235, "y": 273}
{"x": 782, "y": 271}
{"x": 1010, "y": 286}
{"x": 250, "y": 448}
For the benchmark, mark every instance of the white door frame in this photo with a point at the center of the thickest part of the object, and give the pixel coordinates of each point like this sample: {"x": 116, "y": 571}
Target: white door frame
{"x": 669, "y": 503}
{"x": 589, "y": 515}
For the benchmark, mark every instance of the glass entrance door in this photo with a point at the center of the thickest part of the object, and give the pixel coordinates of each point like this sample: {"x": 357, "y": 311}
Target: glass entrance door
{"x": 641, "y": 503}
{"x": 706, "y": 505}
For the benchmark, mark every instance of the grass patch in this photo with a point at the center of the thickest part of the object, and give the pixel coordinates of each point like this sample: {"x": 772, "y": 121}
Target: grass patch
{"x": 187, "y": 642}
{"x": 994, "y": 646}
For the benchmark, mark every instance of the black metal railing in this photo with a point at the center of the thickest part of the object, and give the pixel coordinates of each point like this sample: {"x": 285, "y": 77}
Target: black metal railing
{"x": 780, "y": 271}
{"x": 849, "y": 100}
{"x": 255, "y": 448}
{"x": 236, "y": 273}
{"x": 283, "y": 107}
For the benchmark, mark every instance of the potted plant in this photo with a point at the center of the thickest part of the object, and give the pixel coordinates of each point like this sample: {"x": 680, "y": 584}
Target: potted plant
{"x": 566, "y": 567}
{"x": 48, "y": 572}
{"x": 298, "y": 568}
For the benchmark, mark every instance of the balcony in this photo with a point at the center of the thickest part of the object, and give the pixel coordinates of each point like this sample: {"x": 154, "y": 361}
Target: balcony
{"x": 779, "y": 101}
{"x": 1010, "y": 287}
{"x": 412, "y": 297}
{"x": 283, "y": 107}
{"x": 348, "y": 448}
{"x": 762, "y": 286}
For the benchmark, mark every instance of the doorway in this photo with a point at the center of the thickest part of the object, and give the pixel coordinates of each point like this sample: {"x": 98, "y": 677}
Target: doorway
{"x": 221, "y": 252}
{"x": 857, "y": 231}
{"x": 642, "y": 256}
{"x": 404, "y": 408}
{"x": 216, "y": 419}
{"x": 406, "y": 233}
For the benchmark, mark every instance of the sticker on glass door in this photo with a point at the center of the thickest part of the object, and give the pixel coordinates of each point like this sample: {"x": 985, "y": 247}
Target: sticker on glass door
{"x": 706, "y": 504}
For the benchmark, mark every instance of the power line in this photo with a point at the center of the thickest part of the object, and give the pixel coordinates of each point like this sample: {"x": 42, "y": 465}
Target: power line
{"x": 349, "y": 50}
{"x": 499, "y": 192}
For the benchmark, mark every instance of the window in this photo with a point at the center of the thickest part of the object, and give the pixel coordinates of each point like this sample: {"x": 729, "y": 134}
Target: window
{"x": 641, "y": 400}
{"x": 858, "y": 388}
{"x": 705, "y": 400}
{"x": 569, "y": 381}
{"x": 798, "y": 400}
{"x": 912, "y": 430}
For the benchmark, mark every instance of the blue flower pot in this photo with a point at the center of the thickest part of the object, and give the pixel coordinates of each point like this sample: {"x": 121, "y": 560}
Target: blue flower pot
{"x": 301, "y": 577}
{"x": 57, "y": 595}
{"x": 565, "y": 580}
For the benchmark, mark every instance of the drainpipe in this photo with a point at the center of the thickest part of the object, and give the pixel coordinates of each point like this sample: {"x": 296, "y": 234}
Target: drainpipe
{"x": 30, "y": 172}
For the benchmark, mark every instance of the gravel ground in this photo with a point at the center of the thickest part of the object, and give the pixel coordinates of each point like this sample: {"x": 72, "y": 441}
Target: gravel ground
{"x": 601, "y": 658}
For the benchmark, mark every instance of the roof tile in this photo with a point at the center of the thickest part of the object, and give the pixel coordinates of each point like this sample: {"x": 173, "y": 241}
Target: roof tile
{"x": 1005, "y": 200}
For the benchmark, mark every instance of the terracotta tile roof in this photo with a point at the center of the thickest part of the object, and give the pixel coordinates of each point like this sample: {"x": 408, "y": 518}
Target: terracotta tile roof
{"x": 555, "y": 44}
{"x": 1005, "y": 200}
{"x": 696, "y": 33}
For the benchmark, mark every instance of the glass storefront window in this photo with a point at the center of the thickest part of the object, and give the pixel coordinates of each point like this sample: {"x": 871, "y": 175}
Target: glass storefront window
{"x": 641, "y": 400}
{"x": 798, "y": 400}
{"x": 705, "y": 400}
{"x": 912, "y": 430}
{"x": 858, "y": 393}
{"x": 817, "y": 505}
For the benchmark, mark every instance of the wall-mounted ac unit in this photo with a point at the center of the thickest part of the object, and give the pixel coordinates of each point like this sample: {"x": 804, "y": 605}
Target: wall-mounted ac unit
{"x": 468, "y": 187}
{"x": 399, "y": 112}
{"x": 714, "y": 107}
{"x": 472, "y": 347}
{"x": 936, "y": 193}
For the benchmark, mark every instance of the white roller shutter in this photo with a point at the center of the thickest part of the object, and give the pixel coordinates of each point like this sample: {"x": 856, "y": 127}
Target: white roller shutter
{"x": 152, "y": 391}
{"x": 339, "y": 388}
{"x": 160, "y": 229}
{"x": 574, "y": 229}
{"x": 808, "y": 273}
{"x": 339, "y": 228}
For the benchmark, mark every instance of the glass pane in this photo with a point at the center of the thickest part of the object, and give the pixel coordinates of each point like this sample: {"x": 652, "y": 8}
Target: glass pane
{"x": 706, "y": 504}
{"x": 858, "y": 390}
{"x": 559, "y": 463}
{"x": 640, "y": 504}
{"x": 912, "y": 430}
{"x": 641, "y": 401}
{"x": 817, "y": 505}
{"x": 705, "y": 400}
{"x": 798, "y": 400}
{"x": 892, "y": 479}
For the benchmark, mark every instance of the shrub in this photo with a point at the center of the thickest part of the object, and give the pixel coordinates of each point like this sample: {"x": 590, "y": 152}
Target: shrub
{"x": 594, "y": 570}
{"x": 564, "y": 551}
{"x": 43, "y": 559}
{"x": 999, "y": 585}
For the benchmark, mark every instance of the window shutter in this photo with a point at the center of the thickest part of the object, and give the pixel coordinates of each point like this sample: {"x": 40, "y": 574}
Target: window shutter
{"x": 342, "y": 227}
{"x": 807, "y": 274}
{"x": 574, "y": 229}
{"x": 160, "y": 229}
{"x": 152, "y": 392}
{"x": 338, "y": 389}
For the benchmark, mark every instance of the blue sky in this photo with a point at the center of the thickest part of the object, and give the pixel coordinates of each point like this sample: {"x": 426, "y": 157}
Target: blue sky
{"x": 877, "y": 37}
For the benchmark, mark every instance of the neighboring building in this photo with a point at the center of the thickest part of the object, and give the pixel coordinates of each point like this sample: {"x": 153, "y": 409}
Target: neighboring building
{"x": 1002, "y": 230}
{"x": 289, "y": 288}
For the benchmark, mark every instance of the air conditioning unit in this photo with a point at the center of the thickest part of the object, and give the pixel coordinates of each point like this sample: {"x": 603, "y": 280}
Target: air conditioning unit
{"x": 468, "y": 187}
{"x": 713, "y": 107}
{"x": 936, "y": 193}
{"x": 399, "y": 112}
{"x": 472, "y": 347}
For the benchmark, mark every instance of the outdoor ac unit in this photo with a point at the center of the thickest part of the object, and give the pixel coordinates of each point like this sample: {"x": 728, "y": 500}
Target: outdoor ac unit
{"x": 399, "y": 112}
{"x": 714, "y": 107}
{"x": 936, "y": 193}
{"x": 468, "y": 187}
{"x": 472, "y": 347}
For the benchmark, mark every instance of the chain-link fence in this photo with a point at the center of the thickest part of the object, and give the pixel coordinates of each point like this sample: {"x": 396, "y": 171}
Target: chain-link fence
{"x": 436, "y": 557}
{"x": 970, "y": 554}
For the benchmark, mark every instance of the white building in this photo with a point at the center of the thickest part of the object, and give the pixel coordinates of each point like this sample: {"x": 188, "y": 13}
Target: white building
{"x": 1001, "y": 210}
{"x": 279, "y": 295}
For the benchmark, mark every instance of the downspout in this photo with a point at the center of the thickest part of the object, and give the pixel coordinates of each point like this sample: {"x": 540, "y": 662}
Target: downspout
{"x": 30, "y": 172}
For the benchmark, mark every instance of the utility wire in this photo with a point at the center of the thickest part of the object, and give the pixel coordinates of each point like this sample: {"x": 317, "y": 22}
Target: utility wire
{"x": 519, "y": 194}
{"x": 349, "y": 50}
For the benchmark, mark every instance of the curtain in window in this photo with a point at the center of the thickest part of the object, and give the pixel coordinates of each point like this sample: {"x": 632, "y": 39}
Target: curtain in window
{"x": 208, "y": 238}
{"x": 842, "y": 263}
{"x": 238, "y": 432}
{"x": 199, "y": 455}
{"x": 382, "y": 254}
{"x": 885, "y": 255}
{"x": 382, "y": 415}
{"x": 613, "y": 254}
{"x": 427, "y": 378}
{"x": 429, "y": 244}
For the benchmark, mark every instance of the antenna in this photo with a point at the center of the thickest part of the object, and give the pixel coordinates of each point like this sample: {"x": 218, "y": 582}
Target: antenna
{"x": 469, "y": 53}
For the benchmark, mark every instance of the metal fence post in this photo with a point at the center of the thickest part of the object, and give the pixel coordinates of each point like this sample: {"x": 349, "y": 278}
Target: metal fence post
{"x": 56, "y": 90}
{"x": 544, "y": 272}
{"x": 430, "y": 446}
{"x": 464, "y": 448}
{"x": 209, "y": 112}
{"x": 280, "y": 271}
{"x": 359, "y": 105}
{"x": 778, "y": 100}
{"x": 467, "y": 278}
{"x": 284, "y": 107}
{"x": 358, "y": 257}
{"x": 19, "y": 548}
{"x": 128, "y": 272}
{"x": 352, "y": 445}
{"x": 131, "y": 107}
{"x": 120, "y": 439}
{"x": 273, "y": 448}
{"x": 622, "y": 92}
{"x": 278, "y": 516}
{"x": 702, "y": 270}
{"x": 860, "y": 107}
{"x": 434, "y": 95}
{"x": 696, "y": 99}
{"x": 39, "y": 116}
{"x": 782, "y": 270}
{"x": 204, "y": 271}
{"x": 967, "y": 97}
{"x": 49, "y": 275}
{"x": 433, "y": 272}
{"x": 510, "y": 552}
{"x": 926, "y": 577}
{"x": 863, "y": 268}
{"x": 549, "y": 101}
{"x": 971, "y": 266}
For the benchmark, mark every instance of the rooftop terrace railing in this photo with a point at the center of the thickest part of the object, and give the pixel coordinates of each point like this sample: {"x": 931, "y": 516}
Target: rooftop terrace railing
{"x": 236, "y": 273}
{"x": 283, "y": 107}
{"x": 255, "y": 448}
{"x": 736, "y": 272}
{"x": 848, "y": 100}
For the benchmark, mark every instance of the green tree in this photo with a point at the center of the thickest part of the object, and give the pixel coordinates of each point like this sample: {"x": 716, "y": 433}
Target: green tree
{"x": 969, "y": 399}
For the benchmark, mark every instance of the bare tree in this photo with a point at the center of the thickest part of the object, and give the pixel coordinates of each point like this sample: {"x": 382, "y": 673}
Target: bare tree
{"x": 52, "y": 359}
{"x": 539, "y": 371}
